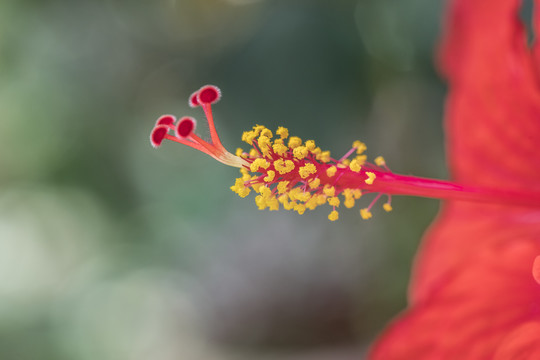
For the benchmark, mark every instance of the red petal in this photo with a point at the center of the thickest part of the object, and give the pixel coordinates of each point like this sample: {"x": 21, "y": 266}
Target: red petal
{"x": 472, "y": 308}
{"x": 472, "y": 295}
{"x": 493, "y": 109}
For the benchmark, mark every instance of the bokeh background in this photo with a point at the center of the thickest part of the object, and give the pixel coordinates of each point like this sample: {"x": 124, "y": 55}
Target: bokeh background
{"x": 112, "y": 250}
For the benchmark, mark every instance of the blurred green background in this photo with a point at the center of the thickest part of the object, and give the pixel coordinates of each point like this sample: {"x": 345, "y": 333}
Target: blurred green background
{"x": 110, "y": 249}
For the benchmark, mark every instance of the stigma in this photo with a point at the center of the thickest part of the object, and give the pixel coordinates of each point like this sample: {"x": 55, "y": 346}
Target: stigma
{"x": 283, "y": 171}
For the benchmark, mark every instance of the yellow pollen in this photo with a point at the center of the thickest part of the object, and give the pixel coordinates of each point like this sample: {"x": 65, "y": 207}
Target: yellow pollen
{"x": 282, "y": 187}
{"x": 361, "y": 159}
{"x": 303, "y": 197}
{"x": 239, "y": 152}
{"x": 316, "y": 151}
{"x": 282, "y": 132}
{"x": 365, "y": 214}
{"x": 253, "y": 153}
{"x": 257, "y": 187}
{"x": 357, "y": 193}
{"x": 355, "y": 166}
{"x": 240, "y": 188}
{"x": 270, "y": 176}
{"x": 333, "y": 216}
{"x": 266, "y": 192}
{"x": 249, "y": 136}
{"x": 279, "y": 141}
{"x": 311, "y": 204}
{"x": 334, "y": 201}
{"x": 264, "y": 143}
{"x": 273, "y": 204}
{"x": 283, "y": 166}
{"x": 387, "y": 207}
{"x": 324, "y": 156}
{"x": 259, "y": 163}
{"x": 266, "y": 132}
{"x": 313, "y": 184}
{"x": 371, "y": 178}
{"x": 310, "y": 145}
{"x": 349, "y": 203}
{"x": 321, "y": 199}
{"x": 288, "y": 205}
{"x": 360, "y": 147}
{"x": 300, "y": 152}
{"x": 293, "y": 192}
{"x": 306, "y": 170}
{"x": 329, "y": 190}
{"x": 294, "y": 141}
{"x": 331, "y": 171}
{"x": 279, "y": 149}
{"x": 379, "y": 161}
{"x": 300, "y": 208}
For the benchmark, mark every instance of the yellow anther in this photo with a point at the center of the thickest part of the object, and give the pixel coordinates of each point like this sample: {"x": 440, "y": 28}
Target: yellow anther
{"x": 316, "y": 151}
{"x": 284, "y": 199}
{"x": 387, "y": 207}
{"x": 249, "y": 136}
{"x": 282, "y": 132}
{"x": 270, "y": 175}
{"x": 259, "y": 163}
{"x": 321, "y": 199}
{"x": 266, "y": 192}
{"x": 264, "y": 143}
{"x": 349, "y": 202}
{"x": 257, "y": 187}
{"x": 266, "y": 132}
{"x": 303, "y": 197}
{"x": 311, "y": 204}
{"x": 361, "y": 159}
{"x": 294, "y": 141}
{"x": 349, "y": 198}
{"x": 300, "y": 152}
{"x": 324, "y": 156}
{"x": 288, "y": 206}
{"x": 365, "y": 214}
{"x": 355, "y": 166}
{"x": 239, "y": 152}
{"x": 273, "y": 204}
{"x": 247, "y": 177}
{"x": 371, "y": 178}
{"x": 279, "y": 141}
{"x": 282, "y": 187}
{"x": 334, "y": 201}
{"x": 240, "y": 188}
{"x": 258, "y": 128}
{"x": 331, "y": 171}
{"x": 293, "y": 193}
{"x": 306, "y": 170}
{"x": 300, "y": 208}
{"x": 379, "y": 161}
{"x": 310, "y": 145}
{"x": 313, "y": 184}
{"x": 260, "y": 201}
{"x": 253, "y": 153}
{"x": 360, "y": 147}
{"x": 279, "y": 149}
{"x": 357, "y": 194}
{"x": 329, "y": 190}
{"x": 333, "y": 216}
{"x": 283, "y": 166}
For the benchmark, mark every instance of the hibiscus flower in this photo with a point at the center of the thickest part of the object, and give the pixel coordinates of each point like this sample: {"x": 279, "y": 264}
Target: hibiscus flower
{"x": 475, "y": 289}
{"x": 473, "y": 294}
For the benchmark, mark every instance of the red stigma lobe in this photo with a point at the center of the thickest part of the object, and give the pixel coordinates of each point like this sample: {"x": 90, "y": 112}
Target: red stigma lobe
{"x": 185, "y": 127}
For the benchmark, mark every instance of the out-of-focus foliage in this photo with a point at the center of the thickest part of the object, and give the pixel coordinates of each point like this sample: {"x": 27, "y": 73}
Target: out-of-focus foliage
{"x": 112, "y": 250}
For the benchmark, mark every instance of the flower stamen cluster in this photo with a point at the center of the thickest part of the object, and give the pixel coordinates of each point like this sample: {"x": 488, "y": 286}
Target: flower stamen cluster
{"x": 295, "y": 175}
